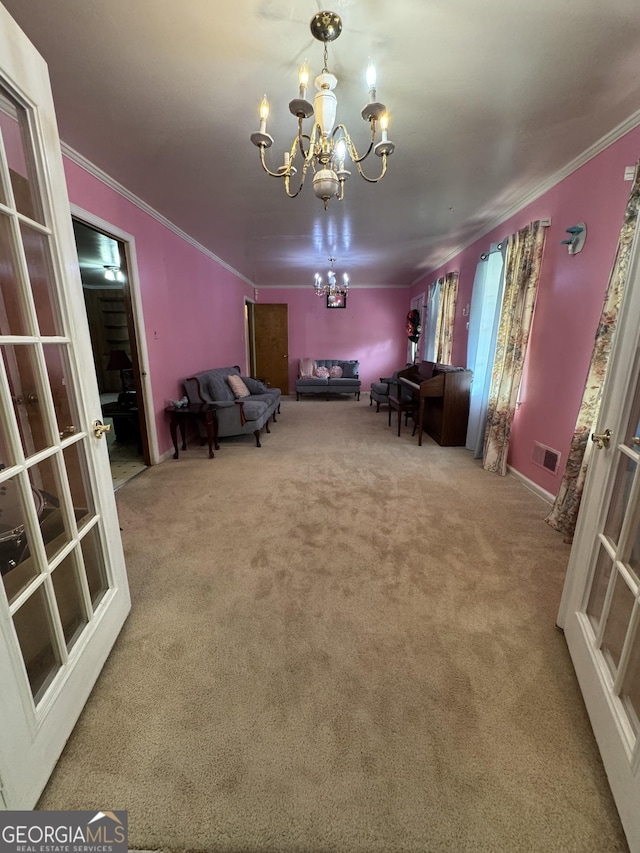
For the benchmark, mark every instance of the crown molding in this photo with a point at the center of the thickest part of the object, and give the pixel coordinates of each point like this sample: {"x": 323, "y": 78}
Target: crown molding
{"x": 540, "y": 189}
{"x": 110, "y": 182}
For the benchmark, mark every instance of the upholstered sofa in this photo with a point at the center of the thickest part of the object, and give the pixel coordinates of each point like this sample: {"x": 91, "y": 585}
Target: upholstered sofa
{"x": 237, "y": 415}
{"x": 328, "y": 376}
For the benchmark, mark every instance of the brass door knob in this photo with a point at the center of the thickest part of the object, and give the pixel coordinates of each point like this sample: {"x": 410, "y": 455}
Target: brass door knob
{"x": 601, "y": 439}
{"x": 99, "y": 428}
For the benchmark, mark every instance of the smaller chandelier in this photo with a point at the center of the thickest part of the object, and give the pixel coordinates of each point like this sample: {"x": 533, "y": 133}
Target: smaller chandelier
{"x": 325, "y": 148}
{"x": 331, "y": 286}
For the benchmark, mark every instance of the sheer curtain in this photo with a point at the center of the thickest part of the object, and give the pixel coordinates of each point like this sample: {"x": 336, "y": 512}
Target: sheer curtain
{"x": 484, "y": 317}
{"x": 522, "y": 273}
{"x": 446, "y": 317}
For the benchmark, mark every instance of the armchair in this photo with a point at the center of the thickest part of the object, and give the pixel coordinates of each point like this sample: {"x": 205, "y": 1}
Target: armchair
{"x": 380, "y": 392}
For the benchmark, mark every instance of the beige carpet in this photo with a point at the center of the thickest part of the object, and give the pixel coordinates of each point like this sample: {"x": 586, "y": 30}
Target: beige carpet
{"x": 339, "y": 642}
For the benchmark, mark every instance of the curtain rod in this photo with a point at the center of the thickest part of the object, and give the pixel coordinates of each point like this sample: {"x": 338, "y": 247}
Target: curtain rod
{"x": 546, "y": 222}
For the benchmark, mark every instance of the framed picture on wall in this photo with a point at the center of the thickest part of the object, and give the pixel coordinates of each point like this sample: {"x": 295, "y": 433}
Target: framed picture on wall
{"x": 336, "y": 300}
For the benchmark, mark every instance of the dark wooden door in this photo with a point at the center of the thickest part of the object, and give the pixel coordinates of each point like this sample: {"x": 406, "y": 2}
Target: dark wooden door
{"x": 271, "y": 327}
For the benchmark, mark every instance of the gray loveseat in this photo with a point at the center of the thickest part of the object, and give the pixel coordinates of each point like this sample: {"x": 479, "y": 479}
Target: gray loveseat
{"x": 236, "y": 416}
{"x": 347, "y": 383}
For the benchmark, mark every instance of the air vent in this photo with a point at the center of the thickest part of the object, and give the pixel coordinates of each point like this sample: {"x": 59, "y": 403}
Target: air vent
{"x": 545, "y": 457}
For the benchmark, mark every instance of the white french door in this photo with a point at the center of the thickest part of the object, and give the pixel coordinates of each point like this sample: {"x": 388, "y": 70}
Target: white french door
{"x": 600, "y": 609}
{"x": 64, "y": 593}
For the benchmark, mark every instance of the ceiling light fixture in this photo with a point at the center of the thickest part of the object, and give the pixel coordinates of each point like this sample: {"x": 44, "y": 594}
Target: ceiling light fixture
{"x": 325, "y": 148}
{"x": 331, "y": 286}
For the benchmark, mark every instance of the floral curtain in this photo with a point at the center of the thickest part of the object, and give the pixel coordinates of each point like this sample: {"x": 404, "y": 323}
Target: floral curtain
{"x": 446, "y": 317}
{"x": 564, "y": 514}
{"x": 522, "y": 272}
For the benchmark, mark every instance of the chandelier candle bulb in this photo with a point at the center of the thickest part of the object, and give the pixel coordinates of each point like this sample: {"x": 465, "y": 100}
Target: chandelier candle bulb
{"x": 371, "y": 81}
{"x": 303, "y": 80}
{"x": 264, "y": 114}
{"x": 384, "y": 124}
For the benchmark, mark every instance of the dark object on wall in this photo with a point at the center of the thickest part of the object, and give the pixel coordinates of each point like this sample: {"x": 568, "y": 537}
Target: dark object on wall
{"x": 413, "y": 325}
{"x": 336, "y": 300}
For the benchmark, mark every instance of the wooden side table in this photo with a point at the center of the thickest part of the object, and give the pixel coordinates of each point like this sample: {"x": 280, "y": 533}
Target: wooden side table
{"x": 196, "y": 411}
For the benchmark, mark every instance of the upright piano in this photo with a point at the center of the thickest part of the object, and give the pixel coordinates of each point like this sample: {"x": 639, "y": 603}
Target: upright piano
{"x": 441, "y": 394}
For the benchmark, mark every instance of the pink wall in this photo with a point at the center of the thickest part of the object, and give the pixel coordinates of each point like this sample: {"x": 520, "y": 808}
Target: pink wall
{"x": 370, "y": 328}
{"x": 569, "y": 301}
{"x": 193, "y": 307}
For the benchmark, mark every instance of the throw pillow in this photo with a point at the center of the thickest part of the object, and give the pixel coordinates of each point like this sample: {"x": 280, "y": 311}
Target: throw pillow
{"x": 335, "y": 372}
{"x": 322, "y": 372}
{"x": 350, "y": 369}
{"x": 237, "y": 386}
{"x": 255, "y": 386}
{"x": 307, "y": 368}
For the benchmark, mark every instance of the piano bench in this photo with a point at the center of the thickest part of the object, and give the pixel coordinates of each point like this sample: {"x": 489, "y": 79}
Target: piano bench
{"x": 406, "y": 405}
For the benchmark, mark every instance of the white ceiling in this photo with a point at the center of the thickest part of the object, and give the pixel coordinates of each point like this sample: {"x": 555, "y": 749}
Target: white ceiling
{"x": 486, "y": 102}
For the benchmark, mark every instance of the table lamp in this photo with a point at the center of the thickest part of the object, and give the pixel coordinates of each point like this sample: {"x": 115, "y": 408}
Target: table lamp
{"x": 119, "y": 360}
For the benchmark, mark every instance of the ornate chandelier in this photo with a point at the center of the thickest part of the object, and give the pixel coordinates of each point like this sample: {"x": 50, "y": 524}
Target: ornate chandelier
{"x": 331, "y": 286}
{"x": 325, "y": 148}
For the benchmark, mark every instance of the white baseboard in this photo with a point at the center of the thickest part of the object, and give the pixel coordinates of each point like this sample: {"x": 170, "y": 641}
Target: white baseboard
{"x": 534, "y": 487}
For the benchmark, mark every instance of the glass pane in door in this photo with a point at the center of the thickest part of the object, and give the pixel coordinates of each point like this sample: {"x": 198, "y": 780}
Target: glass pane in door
{"x": 94, "y": 566}
{"x": 16, "y": 567}
{"x": 618, "y": 619}
{"x": 75, "y": 461}
{"x": 56, "y": 357}
{"x": 6, "y": 459}
{"x": 13, "y": 313}
{"x": 630, "y": 693}
{"x": 632, "y": 438}
{"x": 15, "y": 138}
{"x": 25, "y": 386}
{"x": 33, "y": 625}
{"x": 68, "y": 592}
{"x": 45, "y": 482}
{"x": 599, "y": 586}
{"x": 39, "y": 265}
{"x": 620, "y": 498}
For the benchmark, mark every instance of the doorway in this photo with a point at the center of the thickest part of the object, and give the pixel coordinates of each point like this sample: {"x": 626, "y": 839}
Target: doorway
{"x": 104, "y": 272}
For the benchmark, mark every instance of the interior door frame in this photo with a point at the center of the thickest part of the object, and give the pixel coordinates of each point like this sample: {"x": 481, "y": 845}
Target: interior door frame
{"x": 139, "y": 344}
{"x": 249, "y": 330}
